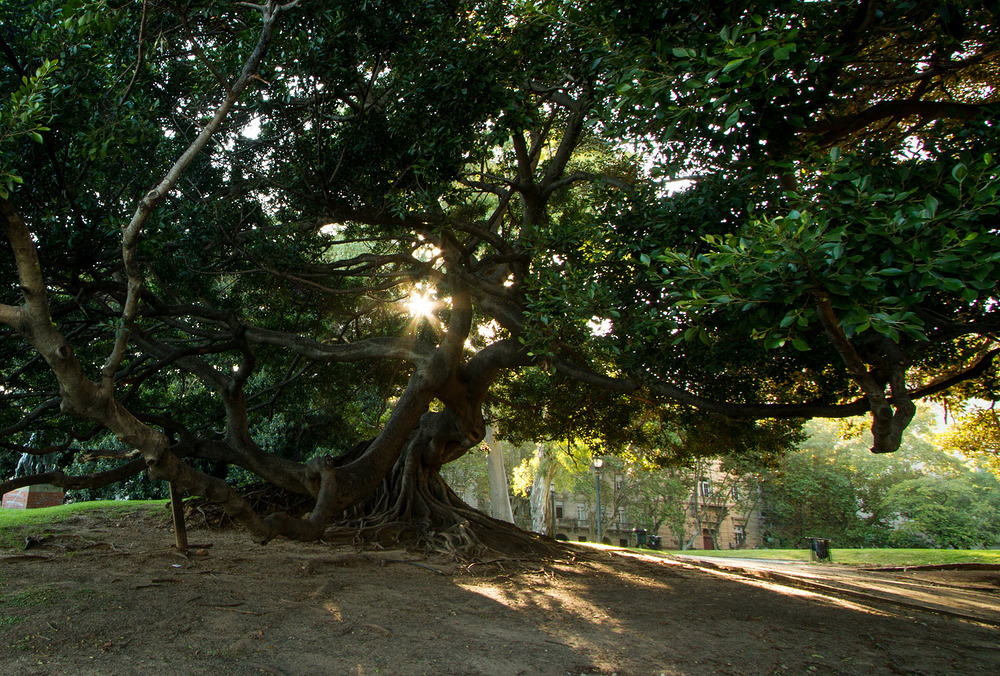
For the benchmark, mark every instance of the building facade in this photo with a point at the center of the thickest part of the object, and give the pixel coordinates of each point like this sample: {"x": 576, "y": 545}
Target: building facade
{"x": 721, "y": 511}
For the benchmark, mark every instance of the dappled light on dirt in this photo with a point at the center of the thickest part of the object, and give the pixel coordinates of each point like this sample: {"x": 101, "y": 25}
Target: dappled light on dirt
{"x": 334, "y": 611}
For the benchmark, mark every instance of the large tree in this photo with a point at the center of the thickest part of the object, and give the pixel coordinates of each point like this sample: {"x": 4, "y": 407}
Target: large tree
{"x": 369, "y": 222}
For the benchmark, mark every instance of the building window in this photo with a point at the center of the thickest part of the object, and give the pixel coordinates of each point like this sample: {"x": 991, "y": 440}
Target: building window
{"x": 621, "y": 516}
{"x": 581, "y": 512}
{"x": 559, "y": 511}
{"x": 705, "y": 488}
{"x": 740, "y": 533}
{"x": 619, "y": 482}
{"x": 736, "y": 491}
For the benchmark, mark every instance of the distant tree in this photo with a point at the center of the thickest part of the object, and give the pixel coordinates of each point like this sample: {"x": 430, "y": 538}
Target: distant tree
{"x": 834, "y": 487}
{"x": 976, "y": 434}
{"x": 950, "y": 512}
{"x": 812, "y": 495}
{"x": 658, "y": 497}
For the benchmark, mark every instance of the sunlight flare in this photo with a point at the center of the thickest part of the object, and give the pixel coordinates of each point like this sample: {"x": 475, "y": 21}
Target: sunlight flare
{"x": 420, "y": 305}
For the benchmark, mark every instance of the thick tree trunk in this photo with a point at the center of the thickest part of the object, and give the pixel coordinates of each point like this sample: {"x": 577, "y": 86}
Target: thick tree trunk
{"x": 415, "y": 506}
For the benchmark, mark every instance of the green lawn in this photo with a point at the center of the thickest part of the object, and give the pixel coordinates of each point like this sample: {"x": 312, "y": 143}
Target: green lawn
{"x": 16, "y": 524}
{"x": 863, "y": 557}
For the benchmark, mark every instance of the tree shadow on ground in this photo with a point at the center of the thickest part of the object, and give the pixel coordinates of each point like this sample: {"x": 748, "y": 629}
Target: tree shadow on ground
{"x": 292, "y": 608}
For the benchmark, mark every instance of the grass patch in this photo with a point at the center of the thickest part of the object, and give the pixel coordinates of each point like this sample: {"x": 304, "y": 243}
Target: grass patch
{"x": 22, "y": 645}
{"x": 6, "y": 621}
{"x": 16, "y": 524}
{"x": 914, "y": 557}
{"x": 28, "y": 598}
{"x": 773, "y": 554}
{"x": 862, "y": 557}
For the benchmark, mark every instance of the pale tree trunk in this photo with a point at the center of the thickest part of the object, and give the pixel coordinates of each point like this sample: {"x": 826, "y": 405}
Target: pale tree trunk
{"x": 696, "y": 507}
{"x": 499, "y": 491}
{"x": 541, "y": 506}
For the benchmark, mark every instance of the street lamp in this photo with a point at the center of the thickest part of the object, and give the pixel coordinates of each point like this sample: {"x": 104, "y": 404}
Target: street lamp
{"x": 598, "y": 464}
{"x": 552, "y": 506}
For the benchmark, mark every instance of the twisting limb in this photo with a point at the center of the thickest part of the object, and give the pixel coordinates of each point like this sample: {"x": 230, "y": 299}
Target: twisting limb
{"x": 409, "y": 350}
{"x": 141, "y": 52}
{"x": 9, "y": 315}
{"x": 89, "y": 400}
{"x": 92, "y": 454}
{"x": 905, "y": 408}
{"x": 30, "y": 417}
{"x": 242, "y": 449}
{"x": 69, "y": 483}
{"x": 130, "y": 232}
{"x": 45, "y": 450}
{"x": 881, "y": 409}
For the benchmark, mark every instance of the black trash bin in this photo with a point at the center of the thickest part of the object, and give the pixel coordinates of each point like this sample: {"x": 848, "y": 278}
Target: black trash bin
{"x": 640, "y": 536}
{"x": 820, "y": 548}
{"x": 654, "y": 541}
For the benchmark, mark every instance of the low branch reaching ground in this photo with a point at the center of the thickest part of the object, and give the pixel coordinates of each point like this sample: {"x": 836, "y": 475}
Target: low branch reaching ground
{"x": 72, "y": 483}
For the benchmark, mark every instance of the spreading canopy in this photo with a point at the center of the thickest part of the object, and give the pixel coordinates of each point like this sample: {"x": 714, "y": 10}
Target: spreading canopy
{"x": 318, "y": 241}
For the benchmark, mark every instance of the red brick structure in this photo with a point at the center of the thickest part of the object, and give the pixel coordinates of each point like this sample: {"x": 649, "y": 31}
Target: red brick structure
{"x": 31, "y": 497}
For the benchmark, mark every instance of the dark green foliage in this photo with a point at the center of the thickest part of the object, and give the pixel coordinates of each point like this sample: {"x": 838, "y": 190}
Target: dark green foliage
{"x": 684, "y": 226}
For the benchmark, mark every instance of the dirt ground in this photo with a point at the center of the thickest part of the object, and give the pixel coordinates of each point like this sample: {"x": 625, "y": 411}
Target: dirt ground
{"x": 106, "y": 595}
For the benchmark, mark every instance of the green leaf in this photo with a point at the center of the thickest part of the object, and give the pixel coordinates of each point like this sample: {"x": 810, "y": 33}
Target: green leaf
{"x": 952, "y": 284}
{"x": 733, "y": 118}
{"x": 733, "y": 65}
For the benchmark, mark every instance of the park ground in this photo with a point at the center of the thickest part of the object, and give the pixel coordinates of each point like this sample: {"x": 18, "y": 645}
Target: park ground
{"x": 102, "y": 592}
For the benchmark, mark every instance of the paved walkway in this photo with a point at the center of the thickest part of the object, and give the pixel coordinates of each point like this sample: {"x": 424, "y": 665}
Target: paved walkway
{"x": 968, "y": 592}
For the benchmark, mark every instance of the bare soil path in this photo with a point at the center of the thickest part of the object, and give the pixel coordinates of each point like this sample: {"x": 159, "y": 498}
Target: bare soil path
{"x": 970, "y": 591}
{"x": 105, "y": 595}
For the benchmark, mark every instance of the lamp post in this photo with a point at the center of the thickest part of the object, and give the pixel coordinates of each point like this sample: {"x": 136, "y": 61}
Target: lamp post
{"x": 552, "y": 506}
{"x": 598, "y": 464}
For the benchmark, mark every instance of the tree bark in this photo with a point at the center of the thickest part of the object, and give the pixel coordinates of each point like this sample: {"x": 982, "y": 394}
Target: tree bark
{"x": 541, "y": 505}
{"x": 415, "y": 505}
{"x": 499, "y": 488}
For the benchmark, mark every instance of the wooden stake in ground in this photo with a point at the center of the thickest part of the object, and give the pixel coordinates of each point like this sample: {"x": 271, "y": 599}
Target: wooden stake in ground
{"x": 177, "y": 511}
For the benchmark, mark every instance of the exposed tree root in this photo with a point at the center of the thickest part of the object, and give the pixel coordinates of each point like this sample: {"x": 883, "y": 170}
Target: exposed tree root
{"x": 262, "y": 497}
{"x": 414, "y": 507}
